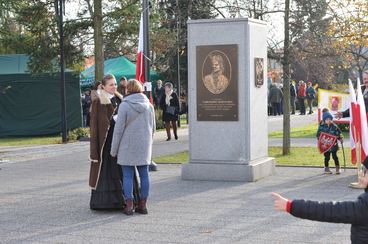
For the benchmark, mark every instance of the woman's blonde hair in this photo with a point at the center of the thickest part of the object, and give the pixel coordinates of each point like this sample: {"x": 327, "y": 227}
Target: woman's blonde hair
{"x": 134, "y": 86}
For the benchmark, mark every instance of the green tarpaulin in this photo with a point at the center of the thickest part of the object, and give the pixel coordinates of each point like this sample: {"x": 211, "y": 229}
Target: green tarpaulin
{"x": 118, "y": 67}
{"x": 31, "y": 104}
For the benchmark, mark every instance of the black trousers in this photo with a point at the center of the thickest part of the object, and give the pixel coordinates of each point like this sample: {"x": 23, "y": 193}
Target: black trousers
{"x": 301, "y": 105}
{"x": 276, "y": 109}
{"x": 334, "y": 156}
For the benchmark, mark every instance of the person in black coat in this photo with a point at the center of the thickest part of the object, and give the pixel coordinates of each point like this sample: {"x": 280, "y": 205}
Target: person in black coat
{"x": 346, "y": 212}
{"x": 159, "y": 92}
{"x": 170, "y": 110}
{"x": 346, "y": 113}
{"x": 292, "y": 97}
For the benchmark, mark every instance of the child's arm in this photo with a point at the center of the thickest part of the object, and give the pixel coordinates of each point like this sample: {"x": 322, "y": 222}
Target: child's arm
{"x": 348, "y": 212}
{"x": 318, "y": 131}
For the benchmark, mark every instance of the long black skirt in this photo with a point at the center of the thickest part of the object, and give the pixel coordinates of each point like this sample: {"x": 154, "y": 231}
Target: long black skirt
{"x": 109, "y": 193}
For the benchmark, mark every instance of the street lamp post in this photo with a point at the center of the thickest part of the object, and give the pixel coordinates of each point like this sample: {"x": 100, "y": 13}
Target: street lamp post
{"x": 178, "y": 54}
{"x": 60, "y": 11}
{"x": 146, "y": 52}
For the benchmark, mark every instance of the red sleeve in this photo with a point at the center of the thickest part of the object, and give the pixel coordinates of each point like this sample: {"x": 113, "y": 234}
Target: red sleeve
{"x": 288, "y": 206}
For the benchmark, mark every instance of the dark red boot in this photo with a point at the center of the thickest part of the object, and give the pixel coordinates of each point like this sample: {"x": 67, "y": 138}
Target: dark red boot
{"x": 142, "y": 207}
{"x": 129, "y": 208}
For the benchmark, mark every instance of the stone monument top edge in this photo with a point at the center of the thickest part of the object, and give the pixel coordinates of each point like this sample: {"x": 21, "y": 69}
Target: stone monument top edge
{"x": 227, "y": 20}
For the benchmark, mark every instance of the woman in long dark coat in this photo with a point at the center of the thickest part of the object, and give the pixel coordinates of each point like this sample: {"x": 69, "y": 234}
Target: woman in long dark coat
{"x": 105, "y": 178}
{"x": 169, "y": 104}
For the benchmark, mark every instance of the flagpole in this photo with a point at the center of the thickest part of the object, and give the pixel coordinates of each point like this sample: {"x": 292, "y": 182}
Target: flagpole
{"x": 146, "y": 51}
{"x": 358, "y": 147}
{"x": 146, "y": 58}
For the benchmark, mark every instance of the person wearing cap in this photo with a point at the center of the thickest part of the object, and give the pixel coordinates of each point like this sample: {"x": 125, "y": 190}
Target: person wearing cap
{"x": 327, "y": 126}
{"x": 345, "y": 212}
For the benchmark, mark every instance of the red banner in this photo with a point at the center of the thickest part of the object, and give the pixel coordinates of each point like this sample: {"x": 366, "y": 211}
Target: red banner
{"x": 326, "y": 142}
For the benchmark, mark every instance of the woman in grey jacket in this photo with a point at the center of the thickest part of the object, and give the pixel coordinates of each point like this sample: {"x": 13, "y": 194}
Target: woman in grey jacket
{"x": 132, "y": 143}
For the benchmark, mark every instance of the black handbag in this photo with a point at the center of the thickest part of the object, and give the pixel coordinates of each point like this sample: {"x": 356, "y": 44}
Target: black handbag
{"x": 170, "y": 110}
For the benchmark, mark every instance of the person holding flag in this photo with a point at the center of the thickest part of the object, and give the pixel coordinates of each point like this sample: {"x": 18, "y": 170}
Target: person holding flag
{"x": 346, "y": 113}
{"x": 358, "y": 125}
{"x": 328, "y": 133}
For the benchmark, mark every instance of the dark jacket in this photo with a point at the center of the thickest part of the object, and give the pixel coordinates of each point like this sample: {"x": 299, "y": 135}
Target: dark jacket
{"x": 346, "y": 113}
{"x": 174, "y": 102}
{"x": 159, "y": 93}
{"x": 86, "y": 104}
{"x": 275, "y": 95}
{"x": 311, "y": 93}
{"x": 292, "y": 91}
{"x": 332, "y": 130}
{"x": 347, "y": 212}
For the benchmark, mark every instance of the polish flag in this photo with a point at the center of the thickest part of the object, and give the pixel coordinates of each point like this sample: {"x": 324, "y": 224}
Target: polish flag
{"x": 363, "y": 122}
{"x": 139, "y": 73}
{"x": 358, "y": 123}
{"x": 353, "y": 109}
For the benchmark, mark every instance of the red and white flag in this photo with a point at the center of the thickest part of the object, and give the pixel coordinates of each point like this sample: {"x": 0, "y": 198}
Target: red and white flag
{"x": 358, "y": 123}
{"x": 139, "y": 72}
{"x": 353, "y": 129}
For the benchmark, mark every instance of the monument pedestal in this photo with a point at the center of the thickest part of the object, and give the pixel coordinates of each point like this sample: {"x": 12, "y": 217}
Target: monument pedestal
{"x": 229, "y": 172}
{"x": 228, "y": 132}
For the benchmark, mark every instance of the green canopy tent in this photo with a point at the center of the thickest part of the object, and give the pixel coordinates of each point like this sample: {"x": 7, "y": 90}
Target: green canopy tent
{"x": 31, "y": 104}
{"x": 119, "y": 67}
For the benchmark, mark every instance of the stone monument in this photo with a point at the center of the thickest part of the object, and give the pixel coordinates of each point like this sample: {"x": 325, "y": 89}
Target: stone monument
{"x": 228, "y": 132}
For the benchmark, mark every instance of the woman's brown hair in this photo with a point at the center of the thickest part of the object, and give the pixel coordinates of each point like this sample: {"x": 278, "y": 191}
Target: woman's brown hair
{"x": 134, "y": 86}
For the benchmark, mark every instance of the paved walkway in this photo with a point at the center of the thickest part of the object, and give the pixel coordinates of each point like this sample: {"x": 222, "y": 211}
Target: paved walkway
{"x": 46, "y": 201}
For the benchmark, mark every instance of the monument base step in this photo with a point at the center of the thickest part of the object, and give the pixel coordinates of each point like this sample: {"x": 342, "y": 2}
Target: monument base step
{"x": 208, "y": 171}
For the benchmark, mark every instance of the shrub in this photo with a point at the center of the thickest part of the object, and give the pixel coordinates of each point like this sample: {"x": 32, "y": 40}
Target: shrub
{"x": 77, "y": 133}
{"x": 159, "y": 122}
{"x": 344, "y": 127}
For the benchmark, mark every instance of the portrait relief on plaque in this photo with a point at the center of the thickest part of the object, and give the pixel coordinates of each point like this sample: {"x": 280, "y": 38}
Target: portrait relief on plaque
{"x": 217, "y": 80}
{"x": 259, "y": 74}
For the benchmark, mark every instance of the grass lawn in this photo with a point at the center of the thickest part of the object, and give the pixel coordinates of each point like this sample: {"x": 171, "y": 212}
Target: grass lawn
{"x": 308, "y": 131}
{"x": 25, "y": 141}
{"x": 178, "y": 158}
{"x": 296, "y": 158}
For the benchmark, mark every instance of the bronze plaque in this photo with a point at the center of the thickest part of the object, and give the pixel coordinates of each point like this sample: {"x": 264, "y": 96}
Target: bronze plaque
{"x": 217, "y": 83}
{"x": 259, "y": 71}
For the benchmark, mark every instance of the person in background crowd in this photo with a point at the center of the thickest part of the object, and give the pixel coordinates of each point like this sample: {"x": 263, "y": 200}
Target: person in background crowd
{"x": 105, "y": 178}
{"x": 275, "y": 97}
{"x": 183, "y": 102}
{"x": 311, "y": 95}
{"x": 170, "y": 109}
{"x": 132, "y": 143}
{"x": 292, "y": 97}
{"x": 328, "y": 127}
{"x": 346, "y": 212}
{"x": 302, "y": 93}
{"x": 281, "y": 109}
{"x": 122, "y": 86}
{"x": 159, "y": 92}
{"x": 346, "y": 113}
{"x": 86, "y": 104}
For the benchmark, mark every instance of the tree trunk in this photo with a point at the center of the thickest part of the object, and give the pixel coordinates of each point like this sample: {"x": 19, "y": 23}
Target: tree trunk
{"x": 98, "y": 38}
{"x": 286, "y": 83}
